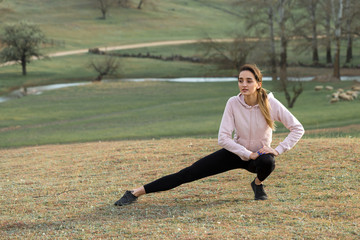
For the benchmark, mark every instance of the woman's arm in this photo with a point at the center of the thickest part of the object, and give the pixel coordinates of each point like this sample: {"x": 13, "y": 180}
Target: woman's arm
{"x": 282, "y": 114}
{"x": 225, "y": 137}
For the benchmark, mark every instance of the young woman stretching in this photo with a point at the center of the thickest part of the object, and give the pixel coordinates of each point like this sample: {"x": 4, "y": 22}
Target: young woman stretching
{"x": 245, "y": 134}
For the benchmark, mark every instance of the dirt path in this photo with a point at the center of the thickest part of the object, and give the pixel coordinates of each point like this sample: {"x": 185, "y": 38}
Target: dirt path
{"x": 122, "y": 47}
{"x": 137, "y": 45}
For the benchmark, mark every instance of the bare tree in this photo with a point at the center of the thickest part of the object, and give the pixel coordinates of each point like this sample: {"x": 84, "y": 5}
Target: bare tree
{"x": 106, "y": 66}
{"x": 337, "y": 7}
{"x": 124, "y": 3}
{"x": 104, "y": 6}
{"x": 264, "y": 10}
{"x": 348, "y": 17}
{"x": 284, "y": 14}
{"x": 328, "y": 37}
{"x": 269, "y": 12}
{"x": 311, "y": 8}
{"x": 325, "y": 18}
{"x": 229, "y": 55}
{"x": 141, "y": 3}
{"x": 273, "y": 62}
{"x": 352, "y": 12}
{"x": 301, "y": 28}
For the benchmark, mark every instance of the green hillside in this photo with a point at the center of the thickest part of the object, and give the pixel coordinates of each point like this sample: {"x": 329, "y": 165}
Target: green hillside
{"x": 146, "y": 110}
{"x": 77, "y": 24}
{"x": 73, "y": 25}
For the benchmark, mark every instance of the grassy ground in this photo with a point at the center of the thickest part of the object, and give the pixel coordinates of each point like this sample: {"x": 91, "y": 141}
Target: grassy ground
{"x": 145, "y": 110}
{"x": 68, "y": 191}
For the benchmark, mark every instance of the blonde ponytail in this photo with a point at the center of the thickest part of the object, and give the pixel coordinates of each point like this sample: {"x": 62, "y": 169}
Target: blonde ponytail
{"x": 262, "y": 97}
{"x": 264, "y": 105}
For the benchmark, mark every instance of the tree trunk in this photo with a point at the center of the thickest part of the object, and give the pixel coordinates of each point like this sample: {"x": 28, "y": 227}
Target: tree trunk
{"x": 312, "y": 10}
{"x": 297, "y": 92}
{"x": 283, "y": 43}
{"x": 328, "y": 53}
{"x": 283, "y": 61}
{"x": 337, "y": 20}
{"x": 336, "y": 73}
{"x": 23, "y": 65}
{"x": 349, "y": 54}
{"x": 140, "y": 4}
{"x": 348, "y": 31}
{"x": 328, "y": 38}
{"x": 272, "y": 44}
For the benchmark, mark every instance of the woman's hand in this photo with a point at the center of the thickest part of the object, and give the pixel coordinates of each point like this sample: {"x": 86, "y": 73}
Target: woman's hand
{"x": 254, "y": 156}
{"x": 263, "y": 150}
{"x": 267, "y": 150}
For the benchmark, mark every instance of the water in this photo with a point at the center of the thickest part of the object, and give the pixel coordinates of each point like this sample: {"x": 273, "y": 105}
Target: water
{"x": 40, "y": 89}
{"x": 226, "y": 79}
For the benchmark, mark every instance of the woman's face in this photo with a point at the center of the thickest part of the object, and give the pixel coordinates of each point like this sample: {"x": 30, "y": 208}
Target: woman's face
{"x": 247, "y": 83}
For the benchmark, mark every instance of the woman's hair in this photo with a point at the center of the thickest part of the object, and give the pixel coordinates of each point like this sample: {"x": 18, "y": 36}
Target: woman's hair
{"x": 262, "y": 95}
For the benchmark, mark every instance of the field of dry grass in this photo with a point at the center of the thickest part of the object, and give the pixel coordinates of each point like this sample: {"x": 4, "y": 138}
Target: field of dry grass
{"x": 68, "y": 191}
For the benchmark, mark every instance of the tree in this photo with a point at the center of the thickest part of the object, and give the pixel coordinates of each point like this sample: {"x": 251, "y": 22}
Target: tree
{"x": 106, "y": 66}
{"x": 352, "y": 11}
{"x": 337, "y": 7}
{"x": 149, "y": 3}
{"x": 267, "y": 13}
{"x": 328, "y": 35}
{"x": 264, "y": 10}
{"x": 284, "y": 14}
{"x": 104, "y": 6}
{"x": 311, "y": 7}
{"x": 273, "y": 62}
{"x": 348, "y": 13}
{"x": 141, "y": 3}
{"x": 124, "y": 3}
{"x": 22, "y": 42}
{"x": 229, "y": 55}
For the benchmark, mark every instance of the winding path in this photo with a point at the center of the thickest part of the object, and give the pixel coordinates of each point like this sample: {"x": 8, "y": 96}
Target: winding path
{"x": 128, "y": 46}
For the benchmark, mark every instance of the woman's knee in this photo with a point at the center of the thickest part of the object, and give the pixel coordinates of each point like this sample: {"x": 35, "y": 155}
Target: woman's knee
{"x": 266, "y": 161}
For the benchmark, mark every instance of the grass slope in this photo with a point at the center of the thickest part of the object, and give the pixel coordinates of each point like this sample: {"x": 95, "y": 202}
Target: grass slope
{"x": 77, "y": 24}
{"x": 68, "y": 191}
{"x": 145, "y": 110}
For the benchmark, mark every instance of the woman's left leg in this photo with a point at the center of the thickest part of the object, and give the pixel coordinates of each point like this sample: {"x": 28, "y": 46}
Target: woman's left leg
{"x": 263, "y": 166}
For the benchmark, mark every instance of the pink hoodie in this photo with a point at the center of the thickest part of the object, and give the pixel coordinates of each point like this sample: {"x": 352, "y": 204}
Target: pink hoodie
{"x": 251, "y": 132}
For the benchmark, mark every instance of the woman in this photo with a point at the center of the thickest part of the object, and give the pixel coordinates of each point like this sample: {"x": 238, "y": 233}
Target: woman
{"x": 245, "y": 134}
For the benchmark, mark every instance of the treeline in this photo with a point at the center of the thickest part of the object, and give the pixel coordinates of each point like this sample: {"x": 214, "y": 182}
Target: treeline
{"x": 323, "y": 24}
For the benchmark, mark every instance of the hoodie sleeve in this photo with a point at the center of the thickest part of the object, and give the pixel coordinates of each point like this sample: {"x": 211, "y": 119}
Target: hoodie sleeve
{"x": 225, "y": 137}
{"x": 283, "y": 115}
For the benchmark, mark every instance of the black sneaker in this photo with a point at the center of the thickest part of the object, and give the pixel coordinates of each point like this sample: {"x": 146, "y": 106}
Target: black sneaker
{"x": 126, "y": 199}
{"x": 259, "y": 191}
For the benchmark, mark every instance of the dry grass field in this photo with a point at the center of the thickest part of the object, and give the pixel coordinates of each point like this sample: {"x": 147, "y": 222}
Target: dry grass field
{"x": 68, "y": 191}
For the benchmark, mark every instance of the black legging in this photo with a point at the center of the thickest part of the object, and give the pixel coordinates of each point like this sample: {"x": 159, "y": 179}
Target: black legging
{"x": 215, "y": 163}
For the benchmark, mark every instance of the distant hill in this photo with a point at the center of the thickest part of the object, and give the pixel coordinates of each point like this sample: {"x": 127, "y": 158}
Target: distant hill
{"x": 77, "y": 24}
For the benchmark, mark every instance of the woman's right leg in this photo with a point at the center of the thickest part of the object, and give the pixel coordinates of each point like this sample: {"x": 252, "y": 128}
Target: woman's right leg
{"x": 215, "y": 163}
{"x": 212, "y": 164}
